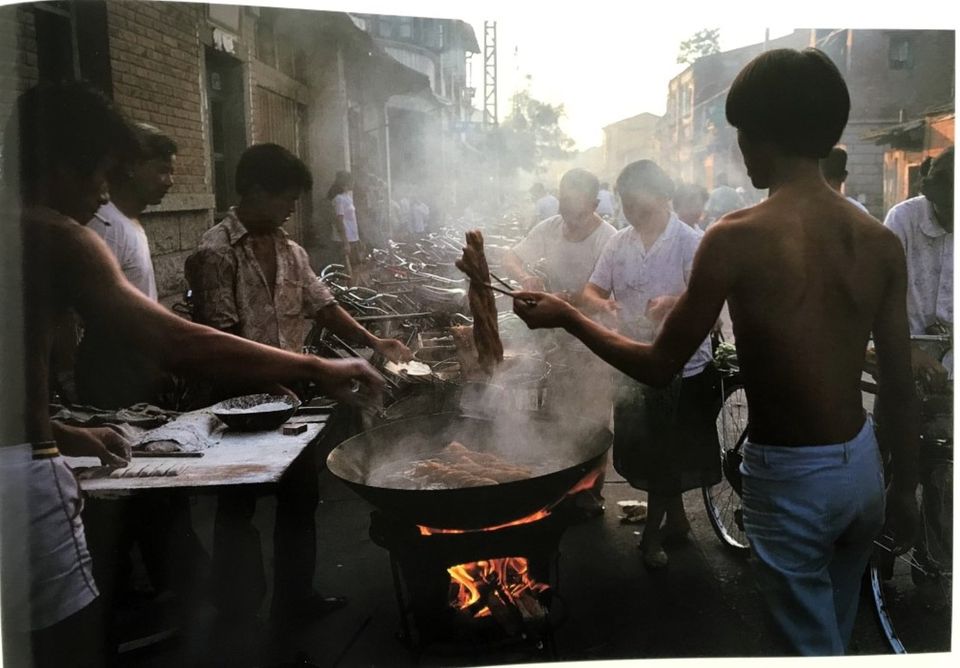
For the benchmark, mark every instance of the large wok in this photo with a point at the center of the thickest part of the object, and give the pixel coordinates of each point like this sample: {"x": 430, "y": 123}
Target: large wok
{"x": 561, "y": 452}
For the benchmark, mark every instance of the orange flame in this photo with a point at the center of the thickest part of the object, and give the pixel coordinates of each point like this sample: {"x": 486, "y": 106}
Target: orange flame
{"x": 499, "y": 582}
{"x": 539, "y": 515}
{"x": 587, "y": 482}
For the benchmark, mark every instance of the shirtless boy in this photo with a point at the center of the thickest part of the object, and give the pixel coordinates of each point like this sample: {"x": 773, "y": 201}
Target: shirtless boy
{"x": 808, "y": 278}
{"x": 61, "y": 142}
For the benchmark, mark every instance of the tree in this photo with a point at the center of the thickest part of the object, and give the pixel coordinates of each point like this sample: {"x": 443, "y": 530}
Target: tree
{"x": 702, "y": 43}
{"x": 531, "y": 135}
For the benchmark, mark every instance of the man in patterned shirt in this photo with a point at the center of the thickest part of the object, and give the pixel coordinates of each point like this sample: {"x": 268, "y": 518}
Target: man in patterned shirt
{"x": 249, "y": 278}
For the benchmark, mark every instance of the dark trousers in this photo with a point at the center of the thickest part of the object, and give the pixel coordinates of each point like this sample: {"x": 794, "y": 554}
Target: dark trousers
{"x": 239, "y": 579}
{"x": 159, "y": 524}
{"x": 75, "y": 642}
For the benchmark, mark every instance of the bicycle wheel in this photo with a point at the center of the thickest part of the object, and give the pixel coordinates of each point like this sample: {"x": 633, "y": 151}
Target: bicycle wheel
{"x": 722, "y": 500}
{"x": 912, "y": 592}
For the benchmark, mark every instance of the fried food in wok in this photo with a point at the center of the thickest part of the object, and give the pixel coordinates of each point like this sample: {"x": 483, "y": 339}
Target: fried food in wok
{"x": 454, "y": 467}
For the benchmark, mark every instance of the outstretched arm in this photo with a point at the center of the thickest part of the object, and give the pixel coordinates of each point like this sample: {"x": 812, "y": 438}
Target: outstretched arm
{"x": 335, "y": 318}
{"x": 94, "y": 284}
{"x": 687, "y": 325}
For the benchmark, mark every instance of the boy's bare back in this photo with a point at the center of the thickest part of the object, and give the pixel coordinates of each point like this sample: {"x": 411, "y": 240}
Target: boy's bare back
{"x": 812, "y": 277}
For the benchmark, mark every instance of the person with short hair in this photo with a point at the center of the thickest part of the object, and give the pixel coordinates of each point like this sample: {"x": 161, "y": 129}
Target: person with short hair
{"x": 545, "y": 204}
{"x": 249, "y": 278}
{"x": 109, "y": 375}
{"x": 665, "y": 439}
{"x": 924, "y": 226}
{"x": 606, "y": 202}
{"x": 689, "y": 202}
{"x": 59, "y": 146}
{"x": 808, "y": 278}
{"x": 347, "y": 230}
{"x": 834, "y": 169}
{"x": 559, "y": 254}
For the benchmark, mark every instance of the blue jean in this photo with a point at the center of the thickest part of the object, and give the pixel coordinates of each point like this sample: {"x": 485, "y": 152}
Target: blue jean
{"x": 811, "y": 514}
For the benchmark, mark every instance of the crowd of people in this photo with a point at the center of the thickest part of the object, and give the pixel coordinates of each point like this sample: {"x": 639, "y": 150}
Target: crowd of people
{"x": 808, "y": 275}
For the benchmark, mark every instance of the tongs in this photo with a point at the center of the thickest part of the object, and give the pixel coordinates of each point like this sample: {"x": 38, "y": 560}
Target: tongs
{"x": 509, "y": 292}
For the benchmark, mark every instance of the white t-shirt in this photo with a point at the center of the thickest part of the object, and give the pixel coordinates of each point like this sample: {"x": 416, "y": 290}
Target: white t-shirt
{"x": 128, "y": 241}
{"x": 857, "y": 203}
{"x": 634, "y": 275}
{"x": 343, "y": 205}
{"x": 419, "y": 213}
{"x": 569, "y": 264}
{"x": 605, "y": 205}
{"x": 929, "y": 251}
{"x": 547, "y": 206}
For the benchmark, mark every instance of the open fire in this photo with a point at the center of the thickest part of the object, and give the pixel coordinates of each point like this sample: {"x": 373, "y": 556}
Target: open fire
{"x": 501, "y": 588}
{"x": 496, "y": 588}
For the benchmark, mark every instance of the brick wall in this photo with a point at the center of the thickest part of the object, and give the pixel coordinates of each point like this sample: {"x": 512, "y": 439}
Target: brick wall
{"x": 156, "y": 56}
{"x": 864, "y": 167}
{"x": 18, "y": 56}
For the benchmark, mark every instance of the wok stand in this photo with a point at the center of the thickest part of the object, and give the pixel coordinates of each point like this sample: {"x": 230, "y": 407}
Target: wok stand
{"x": 422, "y": 584}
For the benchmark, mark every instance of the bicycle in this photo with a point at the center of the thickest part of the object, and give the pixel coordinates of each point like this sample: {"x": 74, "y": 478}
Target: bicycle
{"x": 912, "y": 592}
{"x": 906, "y": 588}
{"x": 722, "y": 500}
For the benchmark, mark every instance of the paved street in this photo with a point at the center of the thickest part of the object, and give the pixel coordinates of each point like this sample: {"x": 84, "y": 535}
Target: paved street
{"x": 703, "y": 605}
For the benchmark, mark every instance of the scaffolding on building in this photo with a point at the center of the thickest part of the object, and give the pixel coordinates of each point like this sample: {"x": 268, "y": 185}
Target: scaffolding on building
{"x": 490, "y": 119}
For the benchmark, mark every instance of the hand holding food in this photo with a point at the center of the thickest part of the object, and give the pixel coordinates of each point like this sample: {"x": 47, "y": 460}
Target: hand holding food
{"x": 393, "y": 350}
{"x": 541, "y": 310}
{"x": 353, "y": 381}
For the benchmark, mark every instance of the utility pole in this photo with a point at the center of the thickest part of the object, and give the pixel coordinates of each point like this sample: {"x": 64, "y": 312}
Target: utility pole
{"x": 490, "y": 119}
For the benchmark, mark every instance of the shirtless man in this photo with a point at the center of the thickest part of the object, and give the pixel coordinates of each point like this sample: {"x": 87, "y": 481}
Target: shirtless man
{"x": 67, "y": 137}
{"x": 808, "y": 278}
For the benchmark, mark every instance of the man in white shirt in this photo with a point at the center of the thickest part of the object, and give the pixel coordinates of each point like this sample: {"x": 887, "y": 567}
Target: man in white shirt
{"x": 545, "y": 204}
{"x": 565, "y": 245}
{"x": 924, "y": 225}
{"x": 559, "y": 255}
{"x": 834, "y": 170}
{"x": 606, "y": 204}
{"x": 108, "y": 375}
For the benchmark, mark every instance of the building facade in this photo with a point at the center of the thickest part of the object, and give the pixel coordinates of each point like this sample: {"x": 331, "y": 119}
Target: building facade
{"x": 897, "y": 79}
{"x": 627, "y": 141}
{"x": 218, "y": 78}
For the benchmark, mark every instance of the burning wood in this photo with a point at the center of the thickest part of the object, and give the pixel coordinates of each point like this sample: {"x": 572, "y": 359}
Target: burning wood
{"x": 486, "y": 333}
{"x": 498, "y": 588}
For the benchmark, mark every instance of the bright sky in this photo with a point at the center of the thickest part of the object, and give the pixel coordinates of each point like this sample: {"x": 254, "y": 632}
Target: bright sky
{"x": 606, "y": 60}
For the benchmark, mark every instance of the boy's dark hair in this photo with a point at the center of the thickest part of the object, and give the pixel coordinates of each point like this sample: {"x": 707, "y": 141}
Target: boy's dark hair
{"x": 273, "y": 169}
{"x": 797, "y": 100}
{"x": 834, "y": 166}
{"x": 153, "y": 143}
{"x": 690, "y": 191}
{"x": 647, "y": 177}
{"x": 150, "y": 144}
{"x": 69, "y": 125}
{"x": 582, "y": 181}
{"x": 937, "y": 184}
{"x": 342, "y": 182}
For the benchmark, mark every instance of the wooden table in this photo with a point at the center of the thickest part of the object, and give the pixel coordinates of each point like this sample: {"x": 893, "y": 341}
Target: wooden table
{"x": 237, "y": 459}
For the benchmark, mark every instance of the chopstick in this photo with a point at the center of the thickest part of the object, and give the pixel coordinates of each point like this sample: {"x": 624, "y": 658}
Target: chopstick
{"x": 500, "y": 280}
{"x": 509, "y": 293}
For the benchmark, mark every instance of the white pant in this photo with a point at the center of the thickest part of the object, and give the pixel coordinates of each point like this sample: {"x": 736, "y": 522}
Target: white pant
{"x": 59, "y": 569}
